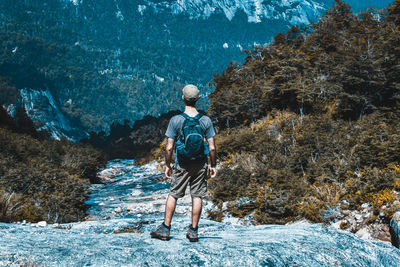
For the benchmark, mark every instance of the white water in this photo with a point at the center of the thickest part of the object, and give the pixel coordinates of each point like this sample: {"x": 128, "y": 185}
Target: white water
{"x": 134, "y": 197}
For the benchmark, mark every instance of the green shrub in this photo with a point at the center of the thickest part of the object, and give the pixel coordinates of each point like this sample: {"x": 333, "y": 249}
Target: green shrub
{"x": 312, "y": 120}
{"x": 45, "y": 179}
{"x": 291, "y": 166}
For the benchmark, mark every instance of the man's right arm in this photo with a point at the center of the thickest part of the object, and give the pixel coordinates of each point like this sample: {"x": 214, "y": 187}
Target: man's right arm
{"x": 213, "y": 157}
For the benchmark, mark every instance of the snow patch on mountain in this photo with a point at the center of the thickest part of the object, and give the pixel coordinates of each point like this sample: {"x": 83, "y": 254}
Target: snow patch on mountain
{"x": 118, "y": 14}
{"x": 141, "y": 9}
{"x": 76, "y": 2}
{"x": 295, "y": 11}
{"x": 159, "y": 79}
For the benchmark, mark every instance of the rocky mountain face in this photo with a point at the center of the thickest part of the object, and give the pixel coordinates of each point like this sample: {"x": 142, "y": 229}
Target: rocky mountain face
{"x": 293, "y": 11}
{"x": 79, "y": 65}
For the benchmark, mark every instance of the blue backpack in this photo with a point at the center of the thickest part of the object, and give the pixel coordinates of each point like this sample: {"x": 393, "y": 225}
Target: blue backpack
{"x": 191, "y": 145}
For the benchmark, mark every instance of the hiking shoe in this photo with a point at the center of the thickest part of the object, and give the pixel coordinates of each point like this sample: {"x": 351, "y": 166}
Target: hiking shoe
{"x": 192, "y": 234}
{"x": 162, "y": 232}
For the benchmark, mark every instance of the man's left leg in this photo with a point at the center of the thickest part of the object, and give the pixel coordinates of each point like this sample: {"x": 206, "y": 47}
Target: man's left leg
{"x": 196, "y": 212}
{"x": 169, "y": 210}
{"x": 197, "y": 204}
{"x": 198, "y": 189}
{"x": 177, "y": 190}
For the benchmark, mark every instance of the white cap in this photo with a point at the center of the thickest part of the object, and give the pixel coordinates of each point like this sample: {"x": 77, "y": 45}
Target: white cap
{"x": 190, "y": 92}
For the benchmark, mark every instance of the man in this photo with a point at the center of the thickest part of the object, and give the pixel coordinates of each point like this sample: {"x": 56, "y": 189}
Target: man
{"x": 189, "y": 169}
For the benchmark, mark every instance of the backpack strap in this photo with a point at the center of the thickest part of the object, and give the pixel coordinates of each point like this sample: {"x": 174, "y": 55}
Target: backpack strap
{"x": 186, "y": 116}
{"x": 198, "y": 116}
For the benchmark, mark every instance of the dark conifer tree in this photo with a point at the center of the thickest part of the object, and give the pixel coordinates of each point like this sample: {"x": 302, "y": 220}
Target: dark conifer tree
{"x": 6, "y": 119}
{"x": 394, "y": 12}
{"x": 24, "y": 123}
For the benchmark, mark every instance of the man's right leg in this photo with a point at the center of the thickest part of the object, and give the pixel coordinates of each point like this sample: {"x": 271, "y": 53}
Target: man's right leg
{"x": 169, "y": 210}
{"x": 162, "y": 232}
{"x": 177, "y": 190}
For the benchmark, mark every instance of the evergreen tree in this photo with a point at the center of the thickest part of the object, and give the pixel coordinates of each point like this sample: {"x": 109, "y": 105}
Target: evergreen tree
{"x": 6, "y": 119}
{"x": 24, "y": 123}
{"x": 394, "y": 12}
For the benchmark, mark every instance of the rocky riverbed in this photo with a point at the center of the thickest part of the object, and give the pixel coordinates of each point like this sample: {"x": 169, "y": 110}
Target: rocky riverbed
{"x": 130, "y": 204}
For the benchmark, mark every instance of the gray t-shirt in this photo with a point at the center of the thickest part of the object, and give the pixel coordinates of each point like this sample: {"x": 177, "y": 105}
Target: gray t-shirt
{"x": 176, "y": 123}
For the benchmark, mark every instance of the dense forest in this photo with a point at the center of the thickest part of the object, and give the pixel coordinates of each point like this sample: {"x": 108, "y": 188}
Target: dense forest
{"x": 41, "y": 178}
{"x": 81, "y": 87}
{"x": 310, "y": 123}
{"x": 101, "y": 67}
{"x": 141, "y": 141}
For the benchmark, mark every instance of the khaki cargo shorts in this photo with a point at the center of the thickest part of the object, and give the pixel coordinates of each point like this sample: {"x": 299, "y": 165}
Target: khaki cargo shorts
{"x": 195, "y": 176}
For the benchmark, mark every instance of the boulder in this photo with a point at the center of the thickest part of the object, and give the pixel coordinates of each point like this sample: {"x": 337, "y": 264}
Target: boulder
{"x": 395, "y": 229}
{"x": 364, "y": 233}
{"x": 42, "y": 223}
{"x": 118, "y": 210}
{"x": 383, "y": 234}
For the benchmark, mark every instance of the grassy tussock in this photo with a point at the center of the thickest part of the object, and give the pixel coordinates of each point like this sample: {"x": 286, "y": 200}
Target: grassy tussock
{"x": 311, "y": 121}
{"x": 289, "y": 166}
{"x": 44, "y": 179}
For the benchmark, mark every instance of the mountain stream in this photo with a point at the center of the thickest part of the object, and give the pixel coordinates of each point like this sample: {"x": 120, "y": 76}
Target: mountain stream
{"x": 131, "y": 203}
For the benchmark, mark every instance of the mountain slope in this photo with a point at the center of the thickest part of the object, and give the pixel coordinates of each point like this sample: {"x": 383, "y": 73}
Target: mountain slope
{"x": 309, "y": 125}
{"x": 105, "y": 61}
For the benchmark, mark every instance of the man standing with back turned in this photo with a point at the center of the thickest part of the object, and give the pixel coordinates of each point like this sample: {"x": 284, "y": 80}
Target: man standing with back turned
{"x": 193, "y": 135}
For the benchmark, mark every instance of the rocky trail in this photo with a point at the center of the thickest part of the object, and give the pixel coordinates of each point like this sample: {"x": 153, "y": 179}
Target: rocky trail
{"x": 130, "y": 204}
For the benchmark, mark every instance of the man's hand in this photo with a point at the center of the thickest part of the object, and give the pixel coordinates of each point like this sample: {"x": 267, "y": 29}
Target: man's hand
{"x": 168, "y": 172}
{"x": 213, "y": 172}
{"x": 213, "y": 157}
